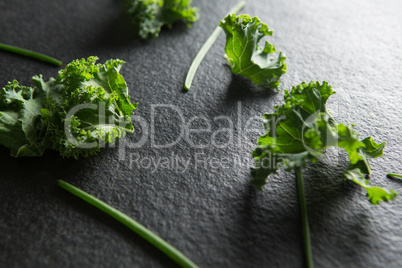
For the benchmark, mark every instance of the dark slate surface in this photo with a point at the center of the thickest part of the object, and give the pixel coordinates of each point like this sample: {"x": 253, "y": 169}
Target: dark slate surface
{"x": 209, "y": 211}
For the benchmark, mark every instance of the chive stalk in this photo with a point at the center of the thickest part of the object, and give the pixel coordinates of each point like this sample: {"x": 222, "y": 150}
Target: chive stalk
{"x": 394, "y": 175}
{"x": 304, "y": 219}
{"x": 30, "y": 53}
{"x": 205, "y": 48}
{"x": 139, "y": 229}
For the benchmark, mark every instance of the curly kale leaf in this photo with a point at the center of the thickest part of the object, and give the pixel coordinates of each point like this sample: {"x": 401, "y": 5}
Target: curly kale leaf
{"x": 245, "y": 56}
{"x": 86, "y": 106}
{"x": 21, "y": 127}
{"x": 301, "y": 128}
{"x": 151, "y": 15}
{"x": 374, "y": 194}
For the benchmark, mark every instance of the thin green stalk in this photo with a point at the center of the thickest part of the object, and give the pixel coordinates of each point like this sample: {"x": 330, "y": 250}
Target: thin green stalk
{"x": 304, "y": 218}
{"x": 30, "y": 53}
{"x": 394, "y": 175}
{"x": 152, "y": 238}
{"x": 205, "y": 48}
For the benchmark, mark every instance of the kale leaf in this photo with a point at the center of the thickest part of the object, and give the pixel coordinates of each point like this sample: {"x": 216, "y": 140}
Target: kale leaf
{"x": 301, "y": 128}
{"x": 20, "y": 126}
{"x": 150, "y": 15}
{"x": 244, "y": 54}
{"x": 86, "y": 106}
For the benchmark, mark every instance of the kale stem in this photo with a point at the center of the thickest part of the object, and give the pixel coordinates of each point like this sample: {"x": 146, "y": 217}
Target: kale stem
{"x": 394, "y": 175}
{"x": 30, "y": 53}
{"x": 304, "y": 218}
{"x": 152, "y": 238}
{"x": 205, "y": 48}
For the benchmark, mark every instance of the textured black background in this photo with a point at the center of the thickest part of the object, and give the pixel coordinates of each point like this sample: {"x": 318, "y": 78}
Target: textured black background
{"x": 211, "y": 214}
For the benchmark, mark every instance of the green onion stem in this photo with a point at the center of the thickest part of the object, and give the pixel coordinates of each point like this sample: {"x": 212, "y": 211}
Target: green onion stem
{"x": 394, "y": 175}
{"x": 304, "y": 218}
{"x": 30, "y": 53}
{"x": 205, "y": 48}
{"x": 152, "y": 238}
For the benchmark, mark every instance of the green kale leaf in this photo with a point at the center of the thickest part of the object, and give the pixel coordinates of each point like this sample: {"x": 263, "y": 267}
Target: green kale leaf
{"x": 85, "y": 107}
{"x": 21, "y": 127}
{"x": 150, "y": 15}
{"x": 301, "y": 128}
{"x": 245, "y": 56}
{"x": 374, "y": 194}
